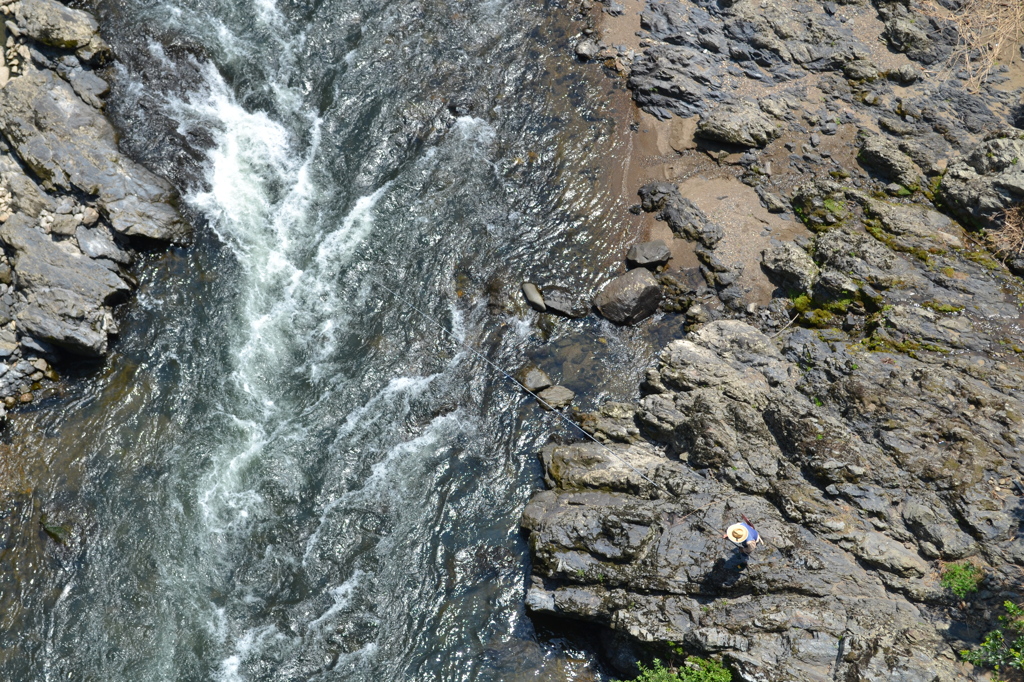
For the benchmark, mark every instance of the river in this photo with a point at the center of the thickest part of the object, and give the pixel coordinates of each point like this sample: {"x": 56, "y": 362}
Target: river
{"x": 284, "y": 471}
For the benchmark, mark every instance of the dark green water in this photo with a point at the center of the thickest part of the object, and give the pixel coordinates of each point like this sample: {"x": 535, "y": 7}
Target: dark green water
{"x": 283, "y": 473}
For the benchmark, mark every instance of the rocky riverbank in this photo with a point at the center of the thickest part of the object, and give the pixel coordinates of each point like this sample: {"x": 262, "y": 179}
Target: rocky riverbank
{"x": 74, "y": 210}
{"x": 850, "y": 361}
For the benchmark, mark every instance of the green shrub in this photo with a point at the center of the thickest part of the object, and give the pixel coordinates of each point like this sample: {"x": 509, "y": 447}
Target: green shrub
{"x": 961, "y": 579}
{"x": 1003, "y": 648}
{"x": 693, "y": 670}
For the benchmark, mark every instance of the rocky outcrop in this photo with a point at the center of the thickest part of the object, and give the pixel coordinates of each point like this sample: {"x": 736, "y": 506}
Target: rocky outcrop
{"x": 72, "y": 147}
{"x": 66, "y": 293}
{"x": 871, "y": 442}
{"x": 980, "y": 186}
{"x": 71, "y": 205}
{"x": 855, "y": 508}
{"x": 53, "y": 24}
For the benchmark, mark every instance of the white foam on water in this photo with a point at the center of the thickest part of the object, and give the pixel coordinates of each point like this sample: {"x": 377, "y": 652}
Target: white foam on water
{"x": 259, "y": 198}
{"x": 342, "y": 595}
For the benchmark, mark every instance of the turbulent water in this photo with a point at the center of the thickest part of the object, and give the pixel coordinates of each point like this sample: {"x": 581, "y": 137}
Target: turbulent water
{"x": 285, "y": 472}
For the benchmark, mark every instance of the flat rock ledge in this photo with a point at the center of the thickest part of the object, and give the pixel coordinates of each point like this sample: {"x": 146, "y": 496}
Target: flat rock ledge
{"x": 73, "y": 208}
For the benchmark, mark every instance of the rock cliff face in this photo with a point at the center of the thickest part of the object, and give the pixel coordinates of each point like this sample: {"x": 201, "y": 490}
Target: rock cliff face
{"x": 72, "y": 206}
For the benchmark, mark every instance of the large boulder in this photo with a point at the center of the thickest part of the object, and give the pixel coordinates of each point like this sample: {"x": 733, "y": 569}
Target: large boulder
{"x": 629, "y": 298}
{"x": 740, "y": 124}
{"x": 69, "y": 145}
{"x": 980, "y": 186}
{"x": 67, "y": 295}
{"x": 53, "y": 24}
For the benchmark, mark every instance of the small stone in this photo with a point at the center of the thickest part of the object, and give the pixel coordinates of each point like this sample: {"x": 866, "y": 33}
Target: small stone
{"x": 36, "y": 376}
{"x": 587, "y": 49}
{"x": 64, "y": 225}
{"x": 10, "y": 401}
{"x": 771, "y": 201}
{"x": 533, "y": 296}
{"x": 90, "y": 215}
{"x": 562, "y": 302}
{"x": 25, "y": 397}
{"x": 697, "y": 313}
{"x": 555, "y": 397}
{"x": 40, "y": 364}
{"x": 649, "y": 254}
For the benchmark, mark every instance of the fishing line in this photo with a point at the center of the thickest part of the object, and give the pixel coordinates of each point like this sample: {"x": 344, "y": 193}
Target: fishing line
{"x": 520, "y": 384}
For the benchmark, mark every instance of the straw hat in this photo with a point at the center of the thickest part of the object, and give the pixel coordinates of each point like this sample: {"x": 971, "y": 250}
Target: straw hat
{"x": 738, "y": 533}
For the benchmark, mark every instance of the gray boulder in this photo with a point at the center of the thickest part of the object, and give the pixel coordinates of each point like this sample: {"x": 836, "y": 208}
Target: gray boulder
{"x": 791, "y": 266}
{"x": 740, "y": 124}
{"x": 26, "y": 196}
{"x": 561, "y": 301}
{"x": 629, "y": 298}
{"x": 69, "y": 145}
{"x": 882, "y": 154}
{"x": 587, "y": 49}
{"x": 53, "y": 24}
{"x": 649, "y": 254}
{"x": 68, "y": 296}
{"x": 980, "y": 186}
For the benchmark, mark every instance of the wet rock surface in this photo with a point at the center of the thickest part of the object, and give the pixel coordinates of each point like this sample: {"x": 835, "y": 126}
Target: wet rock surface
{"x": 72, "y": 207}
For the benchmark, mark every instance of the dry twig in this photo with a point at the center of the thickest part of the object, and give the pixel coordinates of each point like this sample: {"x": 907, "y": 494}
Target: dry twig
{"x": 989, "y": 30}
{"x": 1008, "y": 242}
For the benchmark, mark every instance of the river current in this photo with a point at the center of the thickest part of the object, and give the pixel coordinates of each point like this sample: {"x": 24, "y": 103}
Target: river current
{"x": 284, "y": 472}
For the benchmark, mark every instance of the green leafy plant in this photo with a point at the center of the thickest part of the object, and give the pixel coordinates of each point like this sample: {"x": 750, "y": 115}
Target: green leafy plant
{"x": 694, "y": 669}
{"x": 961, "y": 579}
{"x": 1003, "y": 648}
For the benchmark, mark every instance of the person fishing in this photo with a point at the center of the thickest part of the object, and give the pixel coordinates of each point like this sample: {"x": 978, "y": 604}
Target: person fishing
{"x": 743, "y": 536}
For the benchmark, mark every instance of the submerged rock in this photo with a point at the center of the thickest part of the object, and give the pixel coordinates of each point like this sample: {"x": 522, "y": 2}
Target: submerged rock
{"x": 534, "y": 379}
{"x": 555, "y": 397}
